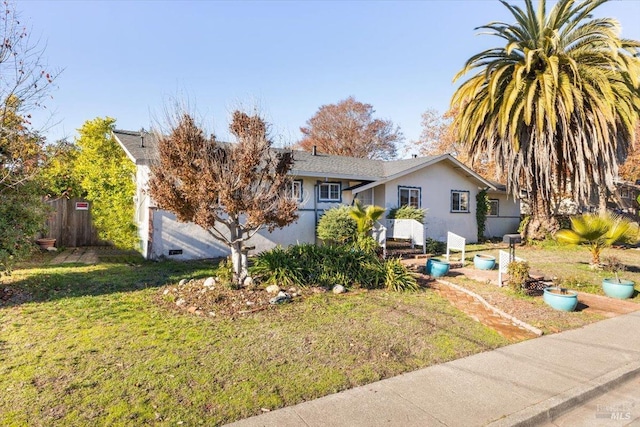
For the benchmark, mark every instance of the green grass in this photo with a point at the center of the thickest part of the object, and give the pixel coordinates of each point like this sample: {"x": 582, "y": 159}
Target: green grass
{"x": 569, "y": 264}
{"x": 88, "y": 345}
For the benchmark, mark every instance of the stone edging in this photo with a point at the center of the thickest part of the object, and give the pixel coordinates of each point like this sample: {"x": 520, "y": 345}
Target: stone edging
{"x": 496, "y": 310}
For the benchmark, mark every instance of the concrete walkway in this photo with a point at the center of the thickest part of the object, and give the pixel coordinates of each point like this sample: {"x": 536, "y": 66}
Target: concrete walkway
{"x": 528, "y": 383}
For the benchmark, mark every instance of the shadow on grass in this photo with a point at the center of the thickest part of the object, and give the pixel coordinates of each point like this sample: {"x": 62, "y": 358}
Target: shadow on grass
{"x": 53, "y": 282}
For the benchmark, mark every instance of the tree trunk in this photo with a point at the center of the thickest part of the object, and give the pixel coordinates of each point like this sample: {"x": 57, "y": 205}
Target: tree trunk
{"x": 603, "y": 196}
{"x": 240, "y": 263}
{"x": 541, "y": 222}
{"x": 238, "y": 256}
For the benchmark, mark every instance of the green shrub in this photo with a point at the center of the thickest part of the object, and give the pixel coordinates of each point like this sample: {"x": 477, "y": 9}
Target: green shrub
{"x": 406, "y": 212}
{"x": 435, "y": 247}
{"x": 326, "y": 266}
{"x": 225, "y": 272}
{"x": 398, "y": 278}
{"x": 337, "y": 225}
{"x": 276, "y": 267}
{"x": 518, "y": 272}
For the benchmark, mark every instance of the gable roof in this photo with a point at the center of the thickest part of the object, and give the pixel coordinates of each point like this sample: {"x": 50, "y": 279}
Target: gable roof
{"x": 142, "y": 150}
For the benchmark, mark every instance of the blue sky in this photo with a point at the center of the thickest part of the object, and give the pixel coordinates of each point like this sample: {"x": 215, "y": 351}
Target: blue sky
{"x": 127, "y": 59}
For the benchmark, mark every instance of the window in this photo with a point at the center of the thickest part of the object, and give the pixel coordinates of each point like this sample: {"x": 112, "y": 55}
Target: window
{"x": 625, "y": 193}
{"x": 493, "y": 207}
{"x": 409, "y": 196}
{"x": 296, "y": 190}
{"x": 329, "y": 192}
{"x": 459, "y": 201}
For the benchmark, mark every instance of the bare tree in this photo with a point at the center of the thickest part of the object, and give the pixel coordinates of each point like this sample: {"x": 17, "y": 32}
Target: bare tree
{"x": 230, "y": 190}
{"x": 349, "y": 129}
{"x": 24, "y": 85}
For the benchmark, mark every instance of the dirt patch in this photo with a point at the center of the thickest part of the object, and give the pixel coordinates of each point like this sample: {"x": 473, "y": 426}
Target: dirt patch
{"x": 220, "y": 300}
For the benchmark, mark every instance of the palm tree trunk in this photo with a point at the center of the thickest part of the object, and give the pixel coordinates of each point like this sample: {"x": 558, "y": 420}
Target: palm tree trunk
{"x": 541, "y": 223}
{"x": 603, "y": 196}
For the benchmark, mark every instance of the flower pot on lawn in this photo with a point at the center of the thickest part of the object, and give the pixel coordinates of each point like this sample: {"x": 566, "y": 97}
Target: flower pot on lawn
{"x": 46, "y": 243}
{"x": 484, "y": 262}
{"x": 561, "y": 299}
{"x": 620, "y": 289}
{"x": 437, "y": 268}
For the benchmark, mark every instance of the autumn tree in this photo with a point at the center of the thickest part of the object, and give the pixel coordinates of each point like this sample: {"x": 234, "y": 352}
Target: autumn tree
{"x": 630, "y": 169}
{"x": 24, "y": 85}
{"x": 348, "y": 128}
{"x": 439, "y": 136}
{"x": 230, "y": 190}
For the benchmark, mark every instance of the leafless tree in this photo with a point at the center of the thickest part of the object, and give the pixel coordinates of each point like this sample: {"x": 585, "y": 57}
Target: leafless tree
{"x": 230, "y": 190}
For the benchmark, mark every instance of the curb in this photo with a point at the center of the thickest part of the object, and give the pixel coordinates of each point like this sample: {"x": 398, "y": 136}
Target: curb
{"x": 496, "y": 310}
{"x": 552, "y": 408}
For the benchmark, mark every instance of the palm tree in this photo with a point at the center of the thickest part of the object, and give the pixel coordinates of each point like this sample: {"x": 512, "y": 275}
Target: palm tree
{"x": 598, "y": 232}
{"x": 555, "y": 107}
{"x": 365, "y": 218}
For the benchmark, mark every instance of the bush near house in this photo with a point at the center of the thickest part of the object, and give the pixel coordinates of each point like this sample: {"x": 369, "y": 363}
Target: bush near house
{"x": 406, "y": 212}
{"x": 326, "y": 266}
{"x": 337, "y": 225}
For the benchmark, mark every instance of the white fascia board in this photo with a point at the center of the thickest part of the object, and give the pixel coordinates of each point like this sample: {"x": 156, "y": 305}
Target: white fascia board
{"x": 129, "y": 155}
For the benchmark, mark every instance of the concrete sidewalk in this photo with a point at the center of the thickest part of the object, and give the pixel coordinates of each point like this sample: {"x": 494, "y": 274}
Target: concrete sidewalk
{"x": 522, "y": 384}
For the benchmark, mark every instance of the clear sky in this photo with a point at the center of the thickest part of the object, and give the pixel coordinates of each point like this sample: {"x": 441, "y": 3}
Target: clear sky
{"x": 127, "y": 59}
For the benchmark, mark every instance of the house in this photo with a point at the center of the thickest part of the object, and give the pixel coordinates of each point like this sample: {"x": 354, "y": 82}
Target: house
{"x": 441, "y": 184}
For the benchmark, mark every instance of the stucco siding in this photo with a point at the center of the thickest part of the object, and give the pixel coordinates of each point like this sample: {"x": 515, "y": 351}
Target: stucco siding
{"x": 508, "y": 219}
{"x": 195, "y": 243}
{"x": 142, "y": 203}
{"x": 436, "y": 183}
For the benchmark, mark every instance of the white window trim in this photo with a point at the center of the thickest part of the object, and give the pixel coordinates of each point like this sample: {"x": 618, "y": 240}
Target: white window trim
{"x": 329, "y": 199}
{"x": 410, "y": 189}
{"x": 497, "y": 201}
{"x": 293, "y": 185}
{"x": 459, "y": 210}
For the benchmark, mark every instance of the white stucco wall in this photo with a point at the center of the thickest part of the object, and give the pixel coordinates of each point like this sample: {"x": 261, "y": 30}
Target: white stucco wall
{"x": 508, "y": 219}
{"x": 142, "y": 203}
{"x": 436, "y": 183}
{"x": 196, "y": 243}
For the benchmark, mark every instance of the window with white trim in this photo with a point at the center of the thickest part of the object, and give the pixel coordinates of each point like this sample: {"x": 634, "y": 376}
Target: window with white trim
{"x": 459, "y": 201}
{"x": 494, "y": 205}
{"x": 296, "y": 189}
{"x": 409, "y": 196}
{"x": 329, "y": 192}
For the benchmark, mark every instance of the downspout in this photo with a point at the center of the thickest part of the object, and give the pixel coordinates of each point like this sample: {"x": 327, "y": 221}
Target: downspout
{"x": 315, "y": 212}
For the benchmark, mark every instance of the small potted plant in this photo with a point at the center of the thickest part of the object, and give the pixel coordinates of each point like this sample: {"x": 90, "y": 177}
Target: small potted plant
{"x": 560, "y": 298}
{"x": 616, "y": 287}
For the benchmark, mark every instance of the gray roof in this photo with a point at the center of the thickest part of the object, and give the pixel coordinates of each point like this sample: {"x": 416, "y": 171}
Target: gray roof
{"x": 143, "y": 151}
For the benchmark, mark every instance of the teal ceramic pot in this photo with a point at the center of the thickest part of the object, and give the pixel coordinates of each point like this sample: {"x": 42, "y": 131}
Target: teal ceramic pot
{"x": 563, "y": 302}
{"x": 437, "y": 268}
{"x": 614, "y": 289}
{"x": 484, "y": 262}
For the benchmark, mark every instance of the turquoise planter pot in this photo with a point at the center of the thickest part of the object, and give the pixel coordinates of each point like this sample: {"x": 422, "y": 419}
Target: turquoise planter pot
{"x": 437, "y": 268}
{"x": 622, "y": 290}
{"x": 562, "y": 302}
{"x": 484, "y": 262}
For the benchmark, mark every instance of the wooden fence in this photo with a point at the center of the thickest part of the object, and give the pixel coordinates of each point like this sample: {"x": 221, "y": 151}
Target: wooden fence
{"x": 70, "y": 223}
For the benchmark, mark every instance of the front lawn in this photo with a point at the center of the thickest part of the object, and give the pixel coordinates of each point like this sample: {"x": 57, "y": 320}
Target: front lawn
{"x": 91, "y": 345}
{"x": 570, "y": 264}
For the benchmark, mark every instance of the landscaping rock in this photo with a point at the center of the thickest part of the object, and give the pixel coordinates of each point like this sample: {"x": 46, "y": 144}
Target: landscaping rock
{"x": 281, "y": 298}
{"x": 180, "y": 302}
{"x": 339, "y": 289}
{"x": 52, "y": 249}
{"x": 210, "y": 282}
{"x": 182, "y": 282}
{"x": 248, "y": 281}
{"x": 272, "y": 289}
